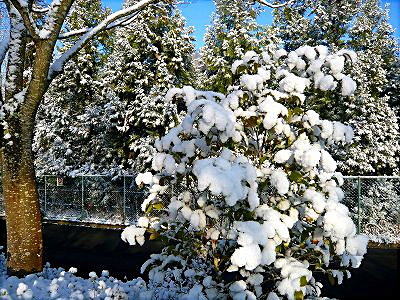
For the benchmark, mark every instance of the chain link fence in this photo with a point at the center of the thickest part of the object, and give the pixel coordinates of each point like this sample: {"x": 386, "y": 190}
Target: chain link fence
{"x": 374, "y": 202}
{"x": 89, "y": 199}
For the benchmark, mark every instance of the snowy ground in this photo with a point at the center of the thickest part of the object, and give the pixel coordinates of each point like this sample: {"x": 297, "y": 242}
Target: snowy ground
{"x": 56, "y": 283}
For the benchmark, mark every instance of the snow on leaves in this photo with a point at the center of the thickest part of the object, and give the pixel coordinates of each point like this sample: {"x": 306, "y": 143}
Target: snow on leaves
{"x": 258, "y": 192}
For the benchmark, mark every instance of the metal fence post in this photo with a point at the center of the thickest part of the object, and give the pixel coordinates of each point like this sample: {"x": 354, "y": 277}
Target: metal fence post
{"x": 124, "y": 203}
{"x": 45, "y": 194}
{"x": 82, "y": 199}
{"x": 359, "y": 205}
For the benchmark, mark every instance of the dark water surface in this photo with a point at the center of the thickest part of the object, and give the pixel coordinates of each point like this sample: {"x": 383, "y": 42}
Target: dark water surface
{"x": 95, "y": 249}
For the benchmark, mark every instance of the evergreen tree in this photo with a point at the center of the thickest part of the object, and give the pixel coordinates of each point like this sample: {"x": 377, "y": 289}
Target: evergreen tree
{"x": 321, "y": 22}
{"x": 233, "y": 32}
{"x": 377, "y": 131}
{"x": 67, "y": 139}
{"x": 363, "y": 27}
{"x": 150, "y": 56}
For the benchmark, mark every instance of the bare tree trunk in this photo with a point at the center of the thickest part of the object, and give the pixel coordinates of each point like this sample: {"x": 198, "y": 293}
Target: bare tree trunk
{"x": 23, "y": 219}
{"x": 21, "y": 198}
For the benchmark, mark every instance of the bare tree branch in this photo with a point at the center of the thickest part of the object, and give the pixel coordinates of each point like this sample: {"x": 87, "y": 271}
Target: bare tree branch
{"x": 59, "y": 63}
{"x": 27, "y": 17}
{"x": 266, "y": 3}
{"x": 122, "y": 22}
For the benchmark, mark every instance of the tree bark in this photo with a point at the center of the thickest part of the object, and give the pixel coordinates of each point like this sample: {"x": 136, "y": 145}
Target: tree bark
{"x": 21, "y": 198}
{"x": 23, "y": 219}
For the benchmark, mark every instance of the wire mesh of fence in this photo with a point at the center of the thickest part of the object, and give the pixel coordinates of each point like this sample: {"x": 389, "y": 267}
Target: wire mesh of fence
{"x": 373, "y": 201}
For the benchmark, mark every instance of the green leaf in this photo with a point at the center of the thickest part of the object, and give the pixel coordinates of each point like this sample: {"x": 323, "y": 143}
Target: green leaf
{"x": 296, "y": 176}
{"x": 303, "y": 281}
{"x": 298, "y": 295}
{"x": 240, "y": 69}
{"x": 293, "y": 112}
{"x": 304, "y": 236}
{"x": 149, "y": 208}
{"x": 297, "y": 111}
{"x": 331, "y": 279}
{"x": 158, "y": 206}
{"x": 153, "y": 236}
{"x": 216, "y": 263}
{"x": 262, "y": 185}
{"x": 262, "y": 159}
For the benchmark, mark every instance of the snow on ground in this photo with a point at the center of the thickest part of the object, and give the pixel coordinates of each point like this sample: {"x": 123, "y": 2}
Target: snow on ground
{"x": 56, "y": 283}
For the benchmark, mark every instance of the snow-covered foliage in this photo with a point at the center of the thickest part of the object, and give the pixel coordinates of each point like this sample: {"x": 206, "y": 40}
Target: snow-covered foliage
{"x": 233, "y": 32}
{"x": 149, "y": 56}
{"x": 71, "y": 124}
{"x": 363, "y": 27}
{"x": 101, "y": 115}
{"x": 259, "y": 197}
{"x": 377, "y": 147}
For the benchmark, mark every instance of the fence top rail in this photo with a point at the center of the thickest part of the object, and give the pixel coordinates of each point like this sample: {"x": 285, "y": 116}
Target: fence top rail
{"x": 87, "y": 175}
{"x": 372, "y": 177}
{"x": 133, "y": 175}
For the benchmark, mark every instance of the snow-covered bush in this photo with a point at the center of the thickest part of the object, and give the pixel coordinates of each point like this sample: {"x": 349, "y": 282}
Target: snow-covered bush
{"x": 259, "y": 204}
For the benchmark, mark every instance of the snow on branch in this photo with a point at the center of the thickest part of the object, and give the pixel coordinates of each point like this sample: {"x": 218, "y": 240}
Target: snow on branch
{"x": 266, "y": 3}
{"x": 53, "y": 17}
{"x": 122, "y": 22}
{"x": 59, "y": 63}
{"x": 39, "y": 10}
{"x": 22, "y": 8}
{"x": 4, "y": 44}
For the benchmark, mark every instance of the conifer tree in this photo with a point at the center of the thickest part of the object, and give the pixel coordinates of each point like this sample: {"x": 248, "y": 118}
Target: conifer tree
{"x": 363, "y": 27}
{"x": 233, "y": 32}
{"x": 150, "y": 56}
{"x": 66, "y": 135}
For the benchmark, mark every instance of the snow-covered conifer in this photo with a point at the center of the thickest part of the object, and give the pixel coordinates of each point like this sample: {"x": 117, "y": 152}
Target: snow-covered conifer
{"x": 234, "y": 31}
{"x": 361, "y": 26}
{"x": 67, "y": 136}
{"x": 150, "y": 56}
{"x": 377, "y": 147}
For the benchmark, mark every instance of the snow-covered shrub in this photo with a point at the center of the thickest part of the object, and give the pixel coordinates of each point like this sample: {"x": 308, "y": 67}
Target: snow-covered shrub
{"x": 259, "y": 203}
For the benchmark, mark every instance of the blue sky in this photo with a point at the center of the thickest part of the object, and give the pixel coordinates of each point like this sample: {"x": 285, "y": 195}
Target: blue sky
{"x": 198, "y": 15}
